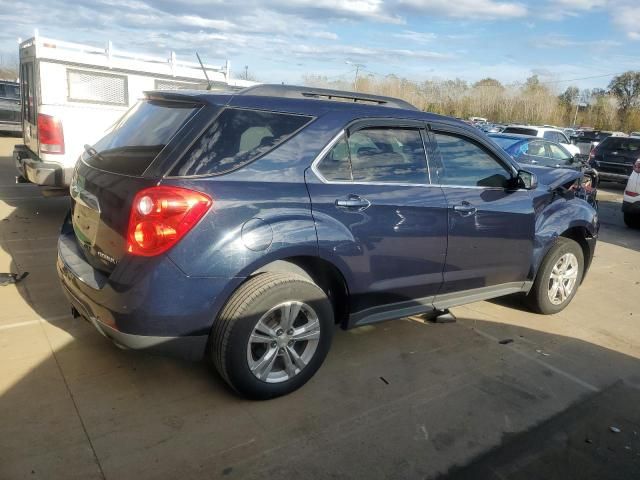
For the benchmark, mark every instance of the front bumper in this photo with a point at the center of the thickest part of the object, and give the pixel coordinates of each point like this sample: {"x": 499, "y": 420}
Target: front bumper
{"x": 41, "y": 173}
{"x": 144, "y": 304}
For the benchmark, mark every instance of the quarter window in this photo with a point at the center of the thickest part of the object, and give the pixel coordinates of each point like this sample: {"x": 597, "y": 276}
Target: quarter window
{"x": 465, "y": 163}
{"x": 236, "y": 138}
{"x": 335, "y": 166}
{"x": 388, "y": 155}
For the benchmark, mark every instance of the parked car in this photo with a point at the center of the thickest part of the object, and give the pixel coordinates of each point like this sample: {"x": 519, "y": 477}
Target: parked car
{"x": 614, "y": 158}
{"x": 528, "y": 150}
{"x": 241, "y": 227}
{"x": 492, "y": 128}
{"x": 72, "y": 93}
{"x": 590, "y": 139}
{"x": 552, "y": 134}
{"x": 634, "y": 134}
{"x": 631, "y": 199}
{"x": 9, "y": 106}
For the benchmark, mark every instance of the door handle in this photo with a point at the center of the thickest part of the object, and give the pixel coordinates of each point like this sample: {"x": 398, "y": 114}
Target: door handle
{"x": 465, "y": 209}
{"x": 353, "y": 202}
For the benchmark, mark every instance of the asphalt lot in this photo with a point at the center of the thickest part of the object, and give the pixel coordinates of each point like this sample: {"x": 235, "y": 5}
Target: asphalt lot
{"x": 402, "y": 399}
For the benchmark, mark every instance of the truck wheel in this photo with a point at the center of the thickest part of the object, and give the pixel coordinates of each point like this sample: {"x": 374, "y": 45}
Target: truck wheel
{"x": 632, "y": 221}
{"x": 558, "y": 278}
{"x": 272, "y": 335}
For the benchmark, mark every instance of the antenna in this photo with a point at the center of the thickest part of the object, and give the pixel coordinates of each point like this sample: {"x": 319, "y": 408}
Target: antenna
{"x": 204, "y": 70}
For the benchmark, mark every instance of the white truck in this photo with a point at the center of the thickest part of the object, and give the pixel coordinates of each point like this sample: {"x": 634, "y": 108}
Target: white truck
{"x": 72, "y": 94}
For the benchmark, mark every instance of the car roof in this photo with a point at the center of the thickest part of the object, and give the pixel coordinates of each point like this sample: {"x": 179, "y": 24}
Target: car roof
{"x": 310, "y": 101}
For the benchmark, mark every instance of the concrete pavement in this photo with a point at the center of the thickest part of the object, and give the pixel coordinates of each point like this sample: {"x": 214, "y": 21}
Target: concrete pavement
{"x": 400, "y": 399}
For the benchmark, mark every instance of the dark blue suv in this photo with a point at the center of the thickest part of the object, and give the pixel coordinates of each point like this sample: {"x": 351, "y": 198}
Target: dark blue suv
{"x": 241, "y": 227}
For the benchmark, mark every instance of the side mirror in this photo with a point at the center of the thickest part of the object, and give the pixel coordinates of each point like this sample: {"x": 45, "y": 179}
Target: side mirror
{"x": 527, "y": 180}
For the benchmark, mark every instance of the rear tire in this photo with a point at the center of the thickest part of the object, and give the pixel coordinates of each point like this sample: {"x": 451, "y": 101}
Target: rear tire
{"x": 558, "y": 278}
{"x": 632, "y": 221}
{"x": 272, "y": 335}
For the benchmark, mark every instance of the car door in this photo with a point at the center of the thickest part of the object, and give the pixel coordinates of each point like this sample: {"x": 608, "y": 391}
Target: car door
{"x": 379, "y": 219}
{"x": 491, "y": 225}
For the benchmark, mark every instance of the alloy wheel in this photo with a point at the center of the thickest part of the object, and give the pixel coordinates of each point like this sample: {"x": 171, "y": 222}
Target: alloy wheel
{"x": 283, "y": 342}
{"x": 563, "y": 278}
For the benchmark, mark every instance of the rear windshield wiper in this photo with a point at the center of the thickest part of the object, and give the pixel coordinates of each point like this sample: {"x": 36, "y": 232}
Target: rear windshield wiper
{"x": 93, "y": 152}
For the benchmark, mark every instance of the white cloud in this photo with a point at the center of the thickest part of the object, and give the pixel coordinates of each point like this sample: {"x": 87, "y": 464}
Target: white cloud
{"x": 565, "y": 41}
{"x": 417, "y": 37}
{"x": 581, "y": 4}
{"x": 627, "y": 17}
{"x": 468, "y": 9}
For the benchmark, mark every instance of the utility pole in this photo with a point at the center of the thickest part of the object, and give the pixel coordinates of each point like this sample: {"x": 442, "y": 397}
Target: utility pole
{"x": 358, "y": 67}
{"x": 575, "y": 117}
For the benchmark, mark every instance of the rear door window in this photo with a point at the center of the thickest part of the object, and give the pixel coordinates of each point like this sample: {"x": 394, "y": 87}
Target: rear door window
{"x": 388, "y": 155}
{"x": 139, "y": 136}
{"x": 536, "y": 149}
{"x": 237, "y": 137}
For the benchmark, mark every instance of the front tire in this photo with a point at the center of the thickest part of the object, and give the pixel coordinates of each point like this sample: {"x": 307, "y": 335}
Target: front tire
{"x": 558, "y": 278}
{"x": 272, "y": 335}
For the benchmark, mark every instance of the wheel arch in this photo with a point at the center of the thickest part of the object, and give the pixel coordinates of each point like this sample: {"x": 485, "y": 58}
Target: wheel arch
{"x": 321, "y": 272}
{"x": 582, "y": 236}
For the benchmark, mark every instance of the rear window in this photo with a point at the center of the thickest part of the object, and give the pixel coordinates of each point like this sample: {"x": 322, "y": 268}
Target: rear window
{"x": 9, "y": 91}
{"x": 521, "y": 131}
{"x": 622, "y": 144}
{"x": 139, "y": 136}
{"x": 237, "y": 137}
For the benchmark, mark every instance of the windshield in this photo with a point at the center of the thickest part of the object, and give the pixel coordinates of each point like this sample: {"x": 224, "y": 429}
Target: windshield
{"x": 139, "y": 136}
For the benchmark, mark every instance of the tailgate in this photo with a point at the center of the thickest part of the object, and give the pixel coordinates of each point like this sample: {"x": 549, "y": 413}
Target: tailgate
{"x": 100, "y": 206}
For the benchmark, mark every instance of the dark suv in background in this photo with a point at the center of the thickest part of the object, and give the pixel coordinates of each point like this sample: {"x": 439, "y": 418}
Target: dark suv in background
{"x": 242, "y": 227}
{"x": 10, "y": 116}
{"x": 614, "y": 158}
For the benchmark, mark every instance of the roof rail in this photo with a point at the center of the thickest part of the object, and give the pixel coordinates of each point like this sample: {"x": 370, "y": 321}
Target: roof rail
{"x": 293, "y": 91}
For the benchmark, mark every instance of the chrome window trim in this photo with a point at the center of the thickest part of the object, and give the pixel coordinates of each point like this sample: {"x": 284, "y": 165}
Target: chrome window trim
{"x": 331, "y": 144}
{"x": 338, "y": 137}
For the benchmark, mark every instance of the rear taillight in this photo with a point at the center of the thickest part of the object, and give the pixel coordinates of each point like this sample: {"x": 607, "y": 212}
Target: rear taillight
{"x": 631, "y": 194}
{"x": 50, "y": 134}
{"x": 161, "y": 216}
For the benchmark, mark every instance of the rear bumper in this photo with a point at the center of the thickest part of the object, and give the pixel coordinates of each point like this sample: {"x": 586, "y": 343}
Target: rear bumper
{"x": 145, "y": 304}
{"x": 36, "y": 171}
{"x": 10, "y": 127}
{"x": 188, "y": 347}
{"x": 632, "y": 208}
{"x": 612, "y": 177}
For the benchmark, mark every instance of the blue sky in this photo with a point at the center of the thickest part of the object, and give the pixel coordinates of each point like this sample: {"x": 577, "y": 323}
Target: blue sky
{"x": 418, "y": 39}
